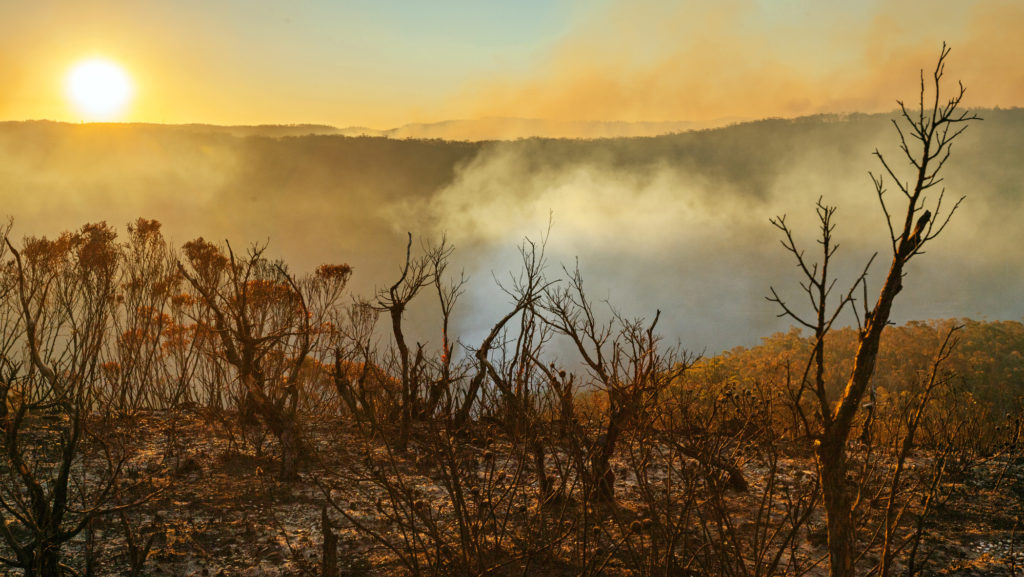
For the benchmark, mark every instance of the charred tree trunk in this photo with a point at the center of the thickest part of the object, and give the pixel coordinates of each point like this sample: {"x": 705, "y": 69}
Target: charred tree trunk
{"x": 602, "y": 477}
{"x": 46, "y": 562}
{"x": 329, "y": 562}
{"x": 838, "y": 506}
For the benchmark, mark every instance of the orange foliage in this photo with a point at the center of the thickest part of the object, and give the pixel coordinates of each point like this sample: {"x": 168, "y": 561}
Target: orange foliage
{"x": 205, "y": 258}
{"x": 332, "y": 272}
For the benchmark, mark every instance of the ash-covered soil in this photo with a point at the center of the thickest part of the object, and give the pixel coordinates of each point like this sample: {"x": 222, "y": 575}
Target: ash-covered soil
{"x": 216, "y": 507}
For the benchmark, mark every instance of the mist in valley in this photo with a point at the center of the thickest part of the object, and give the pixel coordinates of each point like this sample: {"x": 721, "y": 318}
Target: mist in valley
{"x": 676, "y": 222}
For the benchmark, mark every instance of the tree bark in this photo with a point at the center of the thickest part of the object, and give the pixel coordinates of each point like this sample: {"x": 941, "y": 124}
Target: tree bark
{"x": 329, "y": 563}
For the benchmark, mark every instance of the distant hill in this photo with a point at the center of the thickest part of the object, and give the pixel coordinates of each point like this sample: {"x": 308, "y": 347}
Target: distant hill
{"x": 267, "y": 130}
{"x": 677, "y": 221}
{"x": 516, "y": 128}
{"x": 465, "y": 130}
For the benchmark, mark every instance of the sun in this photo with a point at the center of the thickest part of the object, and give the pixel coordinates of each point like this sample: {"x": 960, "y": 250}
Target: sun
{"x": 99, "y": 89}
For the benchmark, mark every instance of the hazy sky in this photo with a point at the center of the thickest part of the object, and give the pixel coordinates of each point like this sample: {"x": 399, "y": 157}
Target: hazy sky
{"x": 385, "y": 63}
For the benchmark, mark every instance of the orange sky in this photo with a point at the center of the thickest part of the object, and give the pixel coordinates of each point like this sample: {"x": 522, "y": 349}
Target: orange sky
{"x": 387, "y": 63}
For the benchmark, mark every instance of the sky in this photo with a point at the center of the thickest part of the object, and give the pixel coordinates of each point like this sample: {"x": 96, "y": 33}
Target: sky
{"x": 386, "y": 63}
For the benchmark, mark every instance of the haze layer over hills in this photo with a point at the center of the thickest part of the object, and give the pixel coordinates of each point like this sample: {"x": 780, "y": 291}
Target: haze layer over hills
{"x": 677, "y": 222}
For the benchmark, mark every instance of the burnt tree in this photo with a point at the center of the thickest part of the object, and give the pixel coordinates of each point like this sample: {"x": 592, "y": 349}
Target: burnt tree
{"x": 266, "y": 331}
{"x": 914, "y": 219}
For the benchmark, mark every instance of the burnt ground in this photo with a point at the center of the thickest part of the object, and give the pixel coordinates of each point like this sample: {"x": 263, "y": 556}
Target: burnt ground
{"x": 217, "y": 508}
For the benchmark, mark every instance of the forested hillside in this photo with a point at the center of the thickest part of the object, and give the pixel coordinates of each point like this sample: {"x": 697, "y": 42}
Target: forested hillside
{"x": 988, "y": 363}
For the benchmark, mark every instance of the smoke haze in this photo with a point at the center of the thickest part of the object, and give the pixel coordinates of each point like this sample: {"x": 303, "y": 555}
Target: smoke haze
{"x": 755, "y": 59}
{"x": 676, "y": 222}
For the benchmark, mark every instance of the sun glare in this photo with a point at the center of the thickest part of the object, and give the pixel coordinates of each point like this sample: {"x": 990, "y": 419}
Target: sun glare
{"x": 99, "y": 89}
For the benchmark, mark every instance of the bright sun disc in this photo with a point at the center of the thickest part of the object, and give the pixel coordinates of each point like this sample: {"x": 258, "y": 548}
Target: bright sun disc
{"x": 99, "y": 88}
